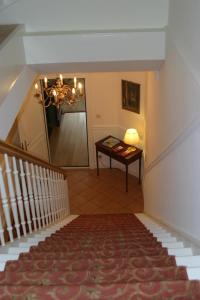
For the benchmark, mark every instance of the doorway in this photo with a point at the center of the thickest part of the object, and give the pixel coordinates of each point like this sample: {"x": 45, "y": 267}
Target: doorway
{"x": 67, "y": 132}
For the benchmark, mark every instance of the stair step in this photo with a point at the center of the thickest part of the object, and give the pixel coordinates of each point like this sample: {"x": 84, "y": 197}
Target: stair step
{"x": 180, "y": 252}
{"x": 2, "y": 266}
{"x": 29, "y": 262}
{"x": 6, "y": 257}
{"x": 167, "y": 239}
{"x": 173, "y": 245}
{"x": 18, "y": 250}
{"x": 162, "y": 235}
{"x": 106, "y": 253}
{"x": 90, "y": 277}
{"x": 156, "y": 290}
{"x": 193, "y": 273}
{"x": 188, "y": 261}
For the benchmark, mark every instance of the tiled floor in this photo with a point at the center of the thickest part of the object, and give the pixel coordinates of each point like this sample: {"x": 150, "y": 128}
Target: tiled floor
{"x": 90, "y": 194}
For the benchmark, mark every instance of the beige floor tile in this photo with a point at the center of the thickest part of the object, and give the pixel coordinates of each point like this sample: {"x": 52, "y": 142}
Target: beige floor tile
{"x": 90, "y": 194}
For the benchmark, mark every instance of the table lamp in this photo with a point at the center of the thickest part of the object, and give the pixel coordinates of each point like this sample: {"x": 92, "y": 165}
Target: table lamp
{"x": 131, "y": 137}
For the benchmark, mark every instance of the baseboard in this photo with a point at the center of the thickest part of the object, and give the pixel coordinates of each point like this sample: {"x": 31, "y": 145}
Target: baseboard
{"x": 195, "y": 243}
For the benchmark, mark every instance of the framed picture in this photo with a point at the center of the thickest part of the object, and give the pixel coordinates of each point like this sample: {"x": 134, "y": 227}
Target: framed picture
{"x": 131, "y": 96}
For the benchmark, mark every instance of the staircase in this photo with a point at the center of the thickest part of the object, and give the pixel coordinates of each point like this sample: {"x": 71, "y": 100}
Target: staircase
{"x": 98, "y": 257}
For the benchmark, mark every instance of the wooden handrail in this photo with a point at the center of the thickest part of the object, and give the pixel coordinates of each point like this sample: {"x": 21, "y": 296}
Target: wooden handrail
{"x": 11, "y": 150}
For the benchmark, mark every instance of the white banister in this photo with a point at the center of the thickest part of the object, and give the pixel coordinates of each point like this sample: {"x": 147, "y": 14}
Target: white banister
{"x": 5, "y": 205}
{"x": 35, "y": 194}
{"x": 25, "y": 195}
{"x": 2, "y": 239}
{"x": 30, "y": 194}
{"x": 12, "y": 195}
{"x": 19, "y": 196}
{"x": 40, "y": 195}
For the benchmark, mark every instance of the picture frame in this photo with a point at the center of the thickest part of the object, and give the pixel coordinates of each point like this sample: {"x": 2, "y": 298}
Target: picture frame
{"x": 131, "y": 96}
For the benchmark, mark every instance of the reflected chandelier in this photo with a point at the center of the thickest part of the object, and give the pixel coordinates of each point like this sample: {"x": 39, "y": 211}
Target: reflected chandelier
{"x": 59, "y": 93}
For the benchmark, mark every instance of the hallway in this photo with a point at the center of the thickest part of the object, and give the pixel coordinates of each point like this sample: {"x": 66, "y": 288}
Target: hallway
{"x": 69, "y": 140}
{"x": 105, "y": 194}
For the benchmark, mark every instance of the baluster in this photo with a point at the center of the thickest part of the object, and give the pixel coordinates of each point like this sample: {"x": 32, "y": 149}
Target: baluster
{"x": 12, "y": 195}
{"x": 66, "y": 197}
{"x": 51, "y": 198}
{"x": 56, "y": 197}
{"x": 19, "y": 196}
{"x": 6, "y": 208}
{"x": 2, "y": 240}
{"x": 30, "y": 194}
{"x": 63, "y": 194}
{"x": 40, "y": 195}
{"x": 35, "y": 195}
{"x": 59, "y": 196}
{"x": 25, "y": 195}
{"x": 43, "y": 196}
{"x": 46, "y": 188}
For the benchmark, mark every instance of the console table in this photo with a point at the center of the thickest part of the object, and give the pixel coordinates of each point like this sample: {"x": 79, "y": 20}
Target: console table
{"x": 126, "y": 160}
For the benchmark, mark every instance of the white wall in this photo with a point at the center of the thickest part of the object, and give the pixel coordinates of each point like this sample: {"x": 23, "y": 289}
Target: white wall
{"x": 171, "y": 186}
{"x": 13, "y": 101}
{"x": 67, "y": 15}
{"x": 15, "y": 77}
{"x": 12, "y": 61}
{"x": 144, "y": 45}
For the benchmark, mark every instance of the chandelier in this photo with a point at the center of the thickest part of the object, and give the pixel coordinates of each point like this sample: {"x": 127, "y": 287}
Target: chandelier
{"x": 59, "y": 92}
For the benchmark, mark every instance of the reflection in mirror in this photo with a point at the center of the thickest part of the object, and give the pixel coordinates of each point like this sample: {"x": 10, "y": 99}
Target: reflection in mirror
{"x": 67, "y": 129}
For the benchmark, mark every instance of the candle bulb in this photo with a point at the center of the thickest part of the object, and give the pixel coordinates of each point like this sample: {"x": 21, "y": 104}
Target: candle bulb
{"x": 61, "y": 79}
{"x": 73, "y": 91}
{"x": 36, "y": 86}
{"x": 45, "y": 82}
{"x": 75, "y": 80}
{"x": 80, "y": 87}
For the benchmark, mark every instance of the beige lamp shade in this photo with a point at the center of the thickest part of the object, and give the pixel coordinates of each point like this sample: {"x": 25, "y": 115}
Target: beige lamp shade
{"x": 131, "y": 136}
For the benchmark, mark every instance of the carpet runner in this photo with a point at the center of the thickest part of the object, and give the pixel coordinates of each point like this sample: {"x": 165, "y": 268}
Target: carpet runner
{"x": 98, "y": 257}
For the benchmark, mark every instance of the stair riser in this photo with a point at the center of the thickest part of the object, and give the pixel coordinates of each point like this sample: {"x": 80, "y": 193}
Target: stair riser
{"x": 155, "y": 290}
{"x": 92, "y": 277}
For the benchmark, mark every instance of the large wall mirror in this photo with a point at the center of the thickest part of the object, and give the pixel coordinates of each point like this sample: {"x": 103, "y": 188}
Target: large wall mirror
{"x": 67, "y": 130}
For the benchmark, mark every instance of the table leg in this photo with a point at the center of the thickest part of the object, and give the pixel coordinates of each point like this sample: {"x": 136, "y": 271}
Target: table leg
{"x": 140, "y": 159}
{"x": 126, "y": 178}
{"x": 97, "y": 161}
{"x": 110, "y": 163}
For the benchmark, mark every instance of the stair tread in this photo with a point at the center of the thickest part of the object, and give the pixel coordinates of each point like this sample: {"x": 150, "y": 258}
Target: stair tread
{"x": 156, "y": 290}
{"x": 32, "y": 263}
{"x": 93, "y": 276}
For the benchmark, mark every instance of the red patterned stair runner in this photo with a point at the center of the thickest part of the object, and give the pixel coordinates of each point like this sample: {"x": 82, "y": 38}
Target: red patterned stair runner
{"x": 98, "y": 257}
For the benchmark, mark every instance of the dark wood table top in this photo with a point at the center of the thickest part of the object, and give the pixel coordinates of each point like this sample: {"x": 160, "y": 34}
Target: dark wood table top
{"x": 118, "y": 155}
